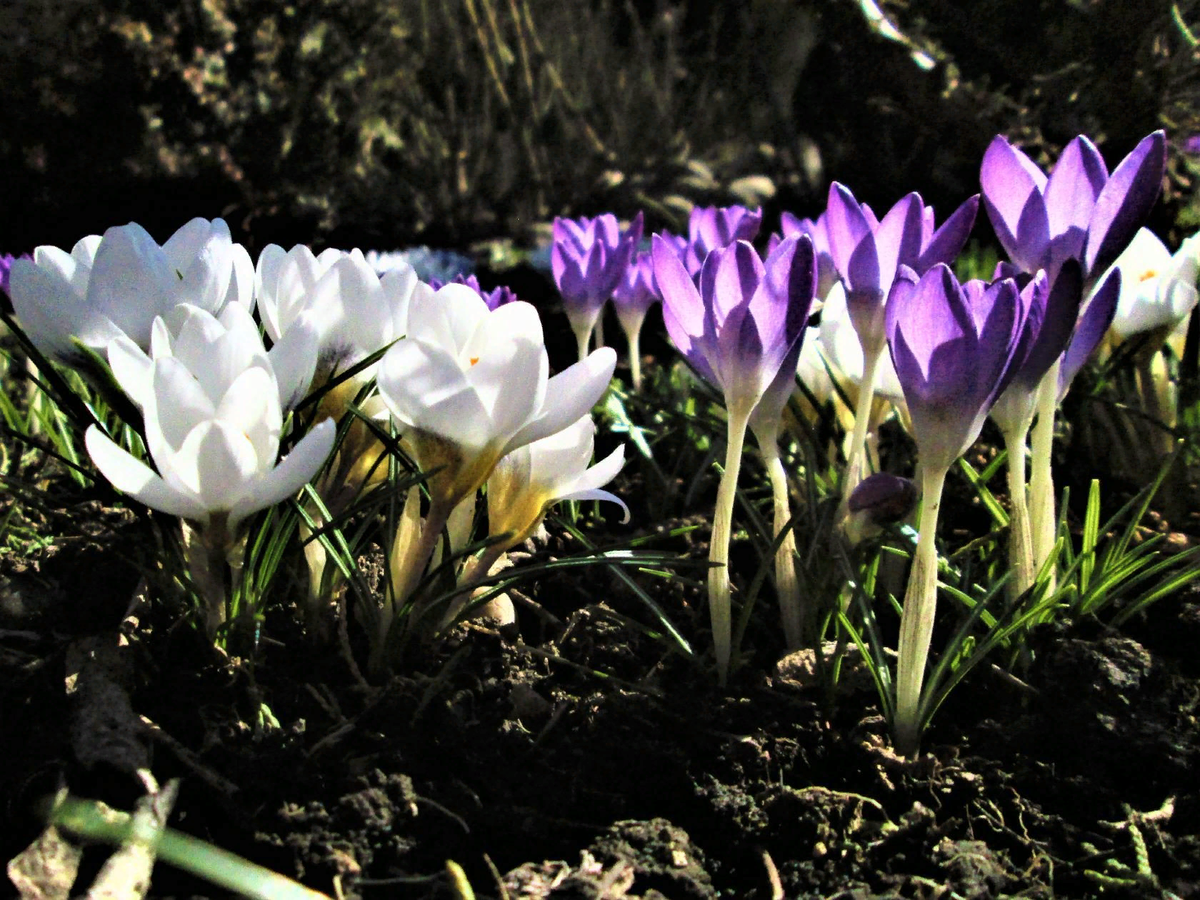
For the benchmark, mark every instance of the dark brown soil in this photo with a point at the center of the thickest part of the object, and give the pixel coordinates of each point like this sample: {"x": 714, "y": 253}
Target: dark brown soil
{"x": 581, "y": 758}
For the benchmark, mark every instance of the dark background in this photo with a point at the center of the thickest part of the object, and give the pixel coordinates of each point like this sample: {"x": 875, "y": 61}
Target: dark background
{"x": 380, "y": 123}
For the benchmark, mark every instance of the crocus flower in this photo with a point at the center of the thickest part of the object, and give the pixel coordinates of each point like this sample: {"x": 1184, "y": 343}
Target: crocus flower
{"x": 532, "y": 478}
{"x": 213, "y": 422}
{"x": 867, "y": 254}
{"x": 954, "y": 348}
{"x": 632, "y": 298}
{"x": 713, "y": 227}
{"x": 469, "y": 386}
{"x": 189, "y": 332}
{"x": 1079, "y": 215}
{"x": 117, "y": 284}
{"x": 1158, "y": 289}
{"x": 1079, "y": 212}
{"x": 741, "y": 329}
{"x": 1158, "y": 292}
{"x": 588, "y": 258}
{"x": 354, "y": 311}
{"x": 791, "y": 226}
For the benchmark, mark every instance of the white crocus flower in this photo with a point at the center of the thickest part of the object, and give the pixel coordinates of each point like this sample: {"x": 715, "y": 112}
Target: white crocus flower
{"x": 470, "y": 385}
{"x": 212, "y": 423}
{"x": 188, "y": 331}
{"x": 1158, "y": 289}
{"x": 842, "y": 348}
{"x": 117, "y": 284}
{"x": 531, "y": 479}
{"x": 355, "y": 311}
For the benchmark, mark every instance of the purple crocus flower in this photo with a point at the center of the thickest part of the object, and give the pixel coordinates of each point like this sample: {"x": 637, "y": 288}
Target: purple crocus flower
{"x": 868, "y": 252}
{"x": 746, "y": 318}
{"x": 741, "y": 328}
{"x": 494, "y": 298}
{"x": 635, "y": 293}
{"x": 587, "y": 258}
{"x": 955, "y": 349}
{"x": 790, "y": 226}
{"x": 1078, "y": 212}
{"x": 713, "y": 227}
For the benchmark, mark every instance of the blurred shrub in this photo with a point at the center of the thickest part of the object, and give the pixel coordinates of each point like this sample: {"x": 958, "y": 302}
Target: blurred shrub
{"x": 383, "y": 122}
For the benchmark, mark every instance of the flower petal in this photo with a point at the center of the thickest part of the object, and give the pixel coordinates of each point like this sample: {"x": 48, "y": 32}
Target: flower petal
{"x": 1124, "y": 203}
{"x": 132, "y": 476}
{"x": 569, "y": 395}
{"x": 293, "y": 472}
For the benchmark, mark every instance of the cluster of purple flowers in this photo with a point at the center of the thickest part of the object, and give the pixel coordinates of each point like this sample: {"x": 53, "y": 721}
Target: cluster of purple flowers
{"x": 958, "y": 349}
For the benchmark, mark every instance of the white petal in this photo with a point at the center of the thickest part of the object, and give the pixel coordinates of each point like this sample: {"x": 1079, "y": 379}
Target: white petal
{"x": 131, "y": 281}
{"x": 173, "y": 408}
{"x": 447, "y": 318}
{"x": 425, "y": 389}
{"x": 47, "y": 308}
{"x": 294, "y": 361}
{"x": 251, "y": 406}
{"x": 569, "y": 395}
{"x": 135, "y": 478}
{"x": 297, "y": 469}
{"x": 216, "y": 462}
{"x": 132, "y": 368}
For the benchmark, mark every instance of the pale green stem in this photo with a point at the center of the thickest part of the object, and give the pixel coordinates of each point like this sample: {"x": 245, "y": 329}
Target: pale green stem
{"x": 916, "y": 621}
{"x": 474, "y": 572}
{"x": 719, "y": 602}
{"x": 1020, "y": 541}
{"x": 205, "y": 552}
{"x": 635, "y": 357}
{"x": 598, "y": 328}
{"x": 583, "y": 337}
{"x": 787, "y": 586}
{"x": 1153, "y": 405}
{"x": 409, "y": 576}
{"x": 858, "y": 440}
{"x": 1042, "y": 516}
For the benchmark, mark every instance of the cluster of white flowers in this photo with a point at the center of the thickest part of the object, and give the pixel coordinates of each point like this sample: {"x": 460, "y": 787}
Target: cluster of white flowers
{"x": 466, "y": 386}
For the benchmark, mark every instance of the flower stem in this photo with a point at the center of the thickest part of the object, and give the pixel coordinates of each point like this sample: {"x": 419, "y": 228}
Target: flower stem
{"x": 787, "y": 586}
{"x": 1020, "y": 540}
{"x": 635, "y": 358}
{"x": 1042, "y": 517}
{"x": 583, "y": 337}
{"x": 406, "y": 575}
{"x": 719, "y": 603}
{"x": 204, "y": 550}
{"x": 858, "y": 440}
{"x": 916, "y": 621}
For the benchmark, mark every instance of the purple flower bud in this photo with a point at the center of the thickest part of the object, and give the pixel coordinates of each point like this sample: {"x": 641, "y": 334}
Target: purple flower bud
{"x": 883, "y": 498}
{"x": 868, "y": 253}
{"x": 1078, "y": 212}
{"x": 636, "y": 292}
{"x": 744, "y": 323}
